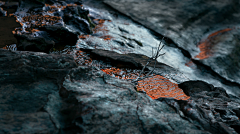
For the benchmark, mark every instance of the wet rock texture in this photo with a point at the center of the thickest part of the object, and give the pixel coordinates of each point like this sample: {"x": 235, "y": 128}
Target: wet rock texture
{"x": 47, "y": 93}
{"x": 209, "y": 107}
{"x": 27, "y": 81}
{"x": 104, "y": 104}
{"x": 209, "y": 31}
{"x": 44, "y": 26}
{"x": 52, "y": 93}
{"x": 36, "y": 99}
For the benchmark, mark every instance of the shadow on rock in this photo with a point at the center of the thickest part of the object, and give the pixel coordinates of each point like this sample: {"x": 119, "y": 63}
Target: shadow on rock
{"x": 209, "y": 108}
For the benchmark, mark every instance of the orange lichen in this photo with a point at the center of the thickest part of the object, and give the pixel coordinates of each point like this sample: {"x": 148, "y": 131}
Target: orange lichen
{"x": 207, "y": 45}
{"x": 71, "y": 5}
{"x": 106, "y": 37}
{"x": 190, "y": 64}
{"x": 83, "y": 36}
{"x": 160, "y": 87}
{"x": 5, "y": 47}
{"x": 54, "y": 8}
{"x": 120, "y": 73}
{"x": 10, "y": 47}
{"x": 10, "y": 15}
{"x": 34, "y": 30}
{"x": 100, "y": 26}
{"x": 81, "y": 58}
{"x": 155, "y": 86}
{"x": 36, "y": 21}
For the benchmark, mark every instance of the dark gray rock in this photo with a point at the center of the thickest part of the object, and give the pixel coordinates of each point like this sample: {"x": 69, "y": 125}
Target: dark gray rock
{"x": 98, "y": 103}
{"x": 192, "y": 87}
{"x": 26, "y": 81}
{"x": 209, "y": 108}
{"x": 33, "y": 43}
{"x": 46, "y": 39}
{"x": 60, "y": 35}
{"x": 33, "y": 99}
{"x": 77, "y": 18}
{"x": 189, "y": 24}
{"x": 135, "y": 61}
{"x": 78, "y": 24}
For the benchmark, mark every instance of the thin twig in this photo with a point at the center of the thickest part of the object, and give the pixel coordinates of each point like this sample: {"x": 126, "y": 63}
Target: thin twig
{"x": 154, "y": 57}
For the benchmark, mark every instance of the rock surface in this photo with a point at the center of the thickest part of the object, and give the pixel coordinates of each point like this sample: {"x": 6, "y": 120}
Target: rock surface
{"x": 27, "y": 79}
{"x": 209, "y": 31}
{"x": 210, "y": 107}
{"x": 46, "y": 27}
{"x": 34, "y": 99}
{"x": 108, "y": 105}
{"x": 49, "y": 93}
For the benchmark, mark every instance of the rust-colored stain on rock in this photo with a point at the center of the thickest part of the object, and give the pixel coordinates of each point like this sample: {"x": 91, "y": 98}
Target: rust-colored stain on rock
{"x": 155, "y": 86}
{"x": 207, "y": 45}
{"x": 81, "y": 58}
{"x": 83, "y": 36}
{"x": 36, "y": 21}
{"x": 120, "y": 73}
{"x": 101, "y": 28}
{"x": 54, "y": 8}
{"x": 191, "y": 64}
{"x": 106, "y": 37}
{"x": 159, "y": 87}
{"x": 41, "y": 20}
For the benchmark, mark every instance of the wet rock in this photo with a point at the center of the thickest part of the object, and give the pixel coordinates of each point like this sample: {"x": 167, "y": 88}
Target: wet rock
{"x": 192, "y": 87}
{"x": 45, "y": 39}
{"x": 80, "y": 25}
{"x": 98, "y": 103}
{"x": 135, "y": 61}
{"x": 89, "y": 101}
{"x": 209, "y": 108}
{"x": 32, "y": 43}
{"x": 115, "y": 59}
{"x": 61, "y": 35}
{"x": 77, "y": 18}
{"x": 26, "y": 87}
{"x": 193, "y": 26}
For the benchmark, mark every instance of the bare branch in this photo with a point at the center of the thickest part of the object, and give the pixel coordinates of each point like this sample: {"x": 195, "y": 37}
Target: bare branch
{"x": 154, "y": 57}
